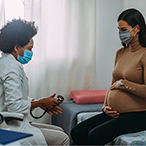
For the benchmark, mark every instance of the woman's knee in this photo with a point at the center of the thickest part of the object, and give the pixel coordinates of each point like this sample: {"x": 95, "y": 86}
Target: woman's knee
{"x": 78, "y": 136}
{"x": 75, "y": 135}
{"x": 72, "y": 133}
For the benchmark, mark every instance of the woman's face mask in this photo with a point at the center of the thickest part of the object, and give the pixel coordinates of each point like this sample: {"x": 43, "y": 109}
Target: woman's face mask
{"x": 125, "y": 36}
{"x": 26, "y": 57}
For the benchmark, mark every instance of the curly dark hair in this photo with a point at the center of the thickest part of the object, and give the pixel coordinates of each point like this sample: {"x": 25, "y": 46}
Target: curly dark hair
{"x": 15, "y": 32}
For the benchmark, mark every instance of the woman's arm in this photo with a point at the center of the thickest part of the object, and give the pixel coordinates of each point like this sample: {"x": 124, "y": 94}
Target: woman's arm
{"x": 135, "y": 88}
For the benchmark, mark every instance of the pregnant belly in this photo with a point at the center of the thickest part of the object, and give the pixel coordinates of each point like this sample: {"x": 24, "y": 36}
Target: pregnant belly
{"x": 122, "y": 101}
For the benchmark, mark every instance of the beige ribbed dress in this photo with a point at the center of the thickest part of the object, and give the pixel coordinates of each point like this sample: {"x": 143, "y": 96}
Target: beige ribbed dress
{"x": 130, "y": 65}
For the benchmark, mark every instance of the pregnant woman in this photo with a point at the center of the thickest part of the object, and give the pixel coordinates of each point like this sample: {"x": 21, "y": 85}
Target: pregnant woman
{"x": 124, "y": 109}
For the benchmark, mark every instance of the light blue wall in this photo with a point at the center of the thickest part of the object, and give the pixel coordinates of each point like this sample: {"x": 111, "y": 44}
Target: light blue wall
{"x": 107, "y": 39}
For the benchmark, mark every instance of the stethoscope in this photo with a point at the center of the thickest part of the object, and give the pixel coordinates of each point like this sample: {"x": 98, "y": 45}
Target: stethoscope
{"x": 59, "y": 98}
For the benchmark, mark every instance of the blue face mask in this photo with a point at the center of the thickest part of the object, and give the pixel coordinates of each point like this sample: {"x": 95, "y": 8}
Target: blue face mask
{"x": 26, "y": 57}
{"x": 125, "y": 36}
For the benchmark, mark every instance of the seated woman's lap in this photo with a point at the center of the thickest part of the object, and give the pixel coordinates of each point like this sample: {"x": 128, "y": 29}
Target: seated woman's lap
{"x": 102, "y": 129}
{"x": 80, "y": 132}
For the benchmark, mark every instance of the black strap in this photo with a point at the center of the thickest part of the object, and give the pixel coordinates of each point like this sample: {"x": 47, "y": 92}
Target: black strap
{"x": 38, "y": 116}
{"x": 59, "y": 98}
{"x": 1, "y": 119}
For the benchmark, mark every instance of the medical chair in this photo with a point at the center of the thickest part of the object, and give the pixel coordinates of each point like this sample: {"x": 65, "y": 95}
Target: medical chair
{"x": 8, "y": 116}
{"x": 9, "y": 137}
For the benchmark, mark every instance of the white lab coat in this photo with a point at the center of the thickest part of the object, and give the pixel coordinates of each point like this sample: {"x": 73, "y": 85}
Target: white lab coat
{"x": 14, "y": 98}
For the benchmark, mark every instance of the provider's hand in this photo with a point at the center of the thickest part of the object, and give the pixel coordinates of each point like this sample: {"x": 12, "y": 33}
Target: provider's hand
{"x": 52, "y": 104}
{"x": 108, "y": 110}
{"x": 115, "y": 85}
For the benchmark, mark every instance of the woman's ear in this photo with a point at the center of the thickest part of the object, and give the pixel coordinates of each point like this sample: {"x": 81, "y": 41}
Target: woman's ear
{"x": 137, "y": 28}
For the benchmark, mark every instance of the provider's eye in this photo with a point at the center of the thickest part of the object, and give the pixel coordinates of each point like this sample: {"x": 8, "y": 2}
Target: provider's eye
{"x": 30, "y": 49}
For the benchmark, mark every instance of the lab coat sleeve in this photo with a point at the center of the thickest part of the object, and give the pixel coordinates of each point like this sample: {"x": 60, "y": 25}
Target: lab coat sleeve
{"x": 30, "y": 99}
{"x": 13, "y": 82}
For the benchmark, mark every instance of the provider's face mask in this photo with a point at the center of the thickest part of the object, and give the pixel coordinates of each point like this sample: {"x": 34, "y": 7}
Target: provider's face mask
{"x": 26, "y": 57}
{"x": 125, "y": 36}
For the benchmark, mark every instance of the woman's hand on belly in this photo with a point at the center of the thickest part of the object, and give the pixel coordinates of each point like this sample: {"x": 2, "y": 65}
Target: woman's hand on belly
{"x": 108, "y": 110}
{"x": 116, "y": 85}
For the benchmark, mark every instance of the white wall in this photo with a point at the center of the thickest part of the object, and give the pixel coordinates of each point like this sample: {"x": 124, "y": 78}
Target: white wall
{"x": 107, "y": 39}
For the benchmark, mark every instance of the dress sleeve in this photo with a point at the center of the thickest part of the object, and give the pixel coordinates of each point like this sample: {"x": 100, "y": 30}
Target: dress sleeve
{"x": 12, "y": 82}
{"x": 136, "y": 88}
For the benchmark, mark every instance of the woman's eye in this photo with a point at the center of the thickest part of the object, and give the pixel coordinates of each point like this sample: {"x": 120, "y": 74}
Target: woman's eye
{"x": 123, "y": 29}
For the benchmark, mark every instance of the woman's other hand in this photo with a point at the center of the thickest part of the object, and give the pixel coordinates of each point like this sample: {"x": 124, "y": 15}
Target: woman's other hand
{"x": 108, "y": 110}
